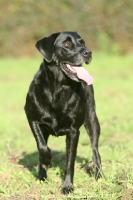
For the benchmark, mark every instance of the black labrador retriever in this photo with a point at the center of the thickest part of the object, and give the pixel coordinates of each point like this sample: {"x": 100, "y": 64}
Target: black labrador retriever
{"x": 61, "y": 99}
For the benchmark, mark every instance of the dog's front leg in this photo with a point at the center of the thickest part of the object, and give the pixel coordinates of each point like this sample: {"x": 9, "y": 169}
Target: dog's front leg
{"x": 71, "y": 149}
{"x": 93, "y": 129}
{"x": 44, "y": 151}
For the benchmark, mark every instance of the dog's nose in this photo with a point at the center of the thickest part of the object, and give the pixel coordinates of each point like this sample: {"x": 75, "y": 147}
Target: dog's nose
{"x": 87, "y": 53}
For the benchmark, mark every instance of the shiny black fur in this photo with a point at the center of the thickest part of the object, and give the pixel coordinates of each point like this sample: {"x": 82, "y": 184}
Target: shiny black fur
{"x": 58, "y": 103}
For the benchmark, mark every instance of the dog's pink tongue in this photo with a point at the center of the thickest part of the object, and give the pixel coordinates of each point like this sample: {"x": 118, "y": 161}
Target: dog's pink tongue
{"x": 83, "y": 74}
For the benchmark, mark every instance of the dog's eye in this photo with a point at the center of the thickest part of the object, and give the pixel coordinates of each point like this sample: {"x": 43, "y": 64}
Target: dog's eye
{"x": 83, "y": 43}
{"x": 67, "y": 44}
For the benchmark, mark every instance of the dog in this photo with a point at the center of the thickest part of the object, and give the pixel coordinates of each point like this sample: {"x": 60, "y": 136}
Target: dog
{"x": 61, "y": 99}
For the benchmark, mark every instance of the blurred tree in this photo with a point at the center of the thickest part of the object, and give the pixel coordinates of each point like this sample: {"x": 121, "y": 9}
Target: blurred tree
{"x": 105, "y": 24}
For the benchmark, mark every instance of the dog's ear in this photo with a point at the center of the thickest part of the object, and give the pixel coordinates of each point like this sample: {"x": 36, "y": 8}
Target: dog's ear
{"x": 46, "y": 46}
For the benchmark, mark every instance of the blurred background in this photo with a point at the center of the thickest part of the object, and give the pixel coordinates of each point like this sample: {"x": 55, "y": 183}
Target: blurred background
{"x": 107, "y": 28}
{"x": 106, "y": 25}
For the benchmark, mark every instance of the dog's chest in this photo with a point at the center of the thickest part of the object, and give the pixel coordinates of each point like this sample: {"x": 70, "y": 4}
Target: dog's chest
{"x": 66, "y": 111}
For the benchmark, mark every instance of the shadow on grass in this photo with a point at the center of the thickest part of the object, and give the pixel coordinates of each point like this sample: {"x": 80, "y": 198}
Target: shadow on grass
{"x": 30, "y": 161}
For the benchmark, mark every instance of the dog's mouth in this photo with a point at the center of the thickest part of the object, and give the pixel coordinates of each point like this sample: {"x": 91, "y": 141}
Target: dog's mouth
{"x": 77, "y": 73}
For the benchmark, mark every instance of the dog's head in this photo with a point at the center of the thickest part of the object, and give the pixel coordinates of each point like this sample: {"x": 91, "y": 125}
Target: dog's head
{"x": 69, "y": 52}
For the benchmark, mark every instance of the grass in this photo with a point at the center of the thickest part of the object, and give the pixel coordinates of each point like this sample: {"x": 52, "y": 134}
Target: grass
{"x": 19, "y": 158}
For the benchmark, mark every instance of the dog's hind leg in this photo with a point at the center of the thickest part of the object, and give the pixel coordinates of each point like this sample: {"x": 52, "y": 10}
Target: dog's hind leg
{"x": 44, "y": 152}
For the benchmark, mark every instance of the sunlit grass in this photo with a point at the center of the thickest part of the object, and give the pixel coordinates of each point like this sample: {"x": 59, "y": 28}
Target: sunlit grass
{"x": 18, "y": 165}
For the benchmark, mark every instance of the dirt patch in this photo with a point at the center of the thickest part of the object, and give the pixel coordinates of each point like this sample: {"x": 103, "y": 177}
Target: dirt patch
{"x": 32, "y": 194}
{"x": 127, "y": 194}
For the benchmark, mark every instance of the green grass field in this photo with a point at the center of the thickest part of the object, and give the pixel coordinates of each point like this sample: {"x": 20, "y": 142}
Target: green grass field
{"x": 113, "y": 83}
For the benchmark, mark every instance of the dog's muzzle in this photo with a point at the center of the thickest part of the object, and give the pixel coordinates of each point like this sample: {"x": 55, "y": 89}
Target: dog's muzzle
{"x": 77, "y": 73}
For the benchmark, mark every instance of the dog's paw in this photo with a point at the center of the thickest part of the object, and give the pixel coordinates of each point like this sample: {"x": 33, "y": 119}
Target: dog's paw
{"x": 45, "y": 156}
{"x": 42, "y": 173}
{"x": 67, "y": 188}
